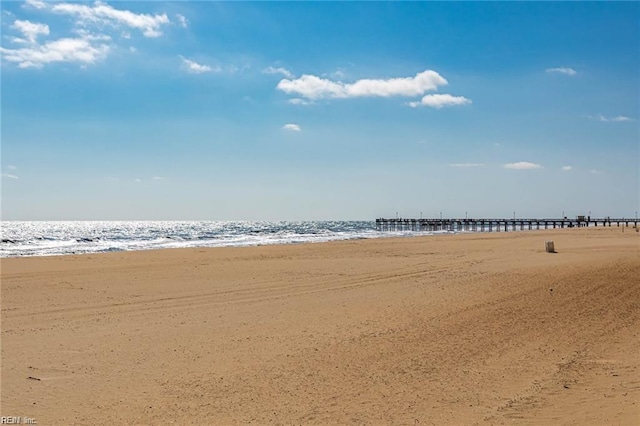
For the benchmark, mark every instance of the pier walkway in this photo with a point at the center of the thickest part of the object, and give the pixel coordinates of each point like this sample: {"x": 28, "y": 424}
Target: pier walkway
{"x": 491, "y": 225}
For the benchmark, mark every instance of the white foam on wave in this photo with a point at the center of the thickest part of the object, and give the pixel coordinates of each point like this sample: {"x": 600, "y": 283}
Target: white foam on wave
{"x": 64, "y": 238}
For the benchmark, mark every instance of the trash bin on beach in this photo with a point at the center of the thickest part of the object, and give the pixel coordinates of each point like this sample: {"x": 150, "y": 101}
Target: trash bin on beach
{"x": 548, "y": 247}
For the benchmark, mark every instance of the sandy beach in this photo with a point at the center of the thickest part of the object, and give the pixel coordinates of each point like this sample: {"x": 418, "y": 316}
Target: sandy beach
{"x": 457, "y": 329}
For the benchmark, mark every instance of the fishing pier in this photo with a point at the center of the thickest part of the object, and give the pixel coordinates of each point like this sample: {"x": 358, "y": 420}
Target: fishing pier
{"x": 496, "y": 225}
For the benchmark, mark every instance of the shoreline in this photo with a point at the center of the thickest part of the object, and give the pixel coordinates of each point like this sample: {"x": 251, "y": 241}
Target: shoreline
{"x": 409, "y": 234}
{"x": 449, "y": 329}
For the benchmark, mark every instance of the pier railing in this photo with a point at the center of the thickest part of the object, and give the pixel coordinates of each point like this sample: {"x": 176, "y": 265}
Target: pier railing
{"x": 491, "y": 225}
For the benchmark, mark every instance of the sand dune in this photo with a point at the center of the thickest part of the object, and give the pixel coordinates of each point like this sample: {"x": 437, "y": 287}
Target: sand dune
{"x": 464, "y": 329}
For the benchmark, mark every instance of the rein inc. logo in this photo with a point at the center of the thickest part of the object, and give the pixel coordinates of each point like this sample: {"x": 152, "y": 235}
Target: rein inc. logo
{"x": 17, "y": 420}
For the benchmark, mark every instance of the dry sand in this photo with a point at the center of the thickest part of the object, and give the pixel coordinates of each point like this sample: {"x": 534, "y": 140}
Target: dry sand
{"x": 465, "y": 329}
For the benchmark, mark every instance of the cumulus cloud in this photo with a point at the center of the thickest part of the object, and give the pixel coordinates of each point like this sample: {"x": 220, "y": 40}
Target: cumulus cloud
{"x": 440, "y": 100}
{"x": 9, "y": 176}
{"x": 466, "y": 165}
{"x": 196, "y": 68}
{"x": 104, "y": 14}
{"x": 292, "y": 127}
{"x": 30, "y": 30}
{"x": 87, "y": 43}
{"x": 618, "y": 119}
{"x": 562, "y": 70}
{"x": 280, "y": 70}
{"x": 522, "y": 165}
{"x": 313, "y": 87}
{"x": 567, "y": 168}
{"x": 80, "y": 50}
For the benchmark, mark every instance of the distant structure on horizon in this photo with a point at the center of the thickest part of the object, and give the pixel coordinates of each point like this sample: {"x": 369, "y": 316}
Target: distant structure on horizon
{"x": 490, "y": 225}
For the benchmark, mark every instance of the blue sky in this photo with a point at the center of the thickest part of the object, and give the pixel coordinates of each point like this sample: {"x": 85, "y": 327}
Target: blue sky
{"x": 294, "y": 111}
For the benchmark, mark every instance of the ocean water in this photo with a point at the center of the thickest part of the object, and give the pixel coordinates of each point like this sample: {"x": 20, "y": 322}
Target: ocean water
{"x": 63, "y": 238}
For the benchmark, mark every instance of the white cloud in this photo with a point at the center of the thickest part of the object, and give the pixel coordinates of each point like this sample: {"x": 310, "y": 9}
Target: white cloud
{"x": 80, "y": 50}
{"x": 595, "y": 172}
{"x": 104, "y": 14}
{"x": 618, "y": 119}
{"x": 522, "y": 165}
{"x": 157, "y": 178}
{"x": 313, "y": 87}
{"x": 292, "y": 128}
{"x": 562, "y": 70}
{"x": 621, "y": 118}
{"x": 9, "y": 176}
{"x": 88, "y": 45}
{"x": 196, "y": 68}
{"x": 182, "y": 20}
{"x": 30, "y": 30}
{"x": 440, "y": 100}
{"x": 91, "y": 36}
{"x": 299, "y": 101}
{"x": 567, "y": 168}
{"x": 279, "y": 70}
{"x": 466, "y": 165}
{"x": 11, "y": 167}
{"x": 138, "y": 180}
{"x": 37, "y": 4}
